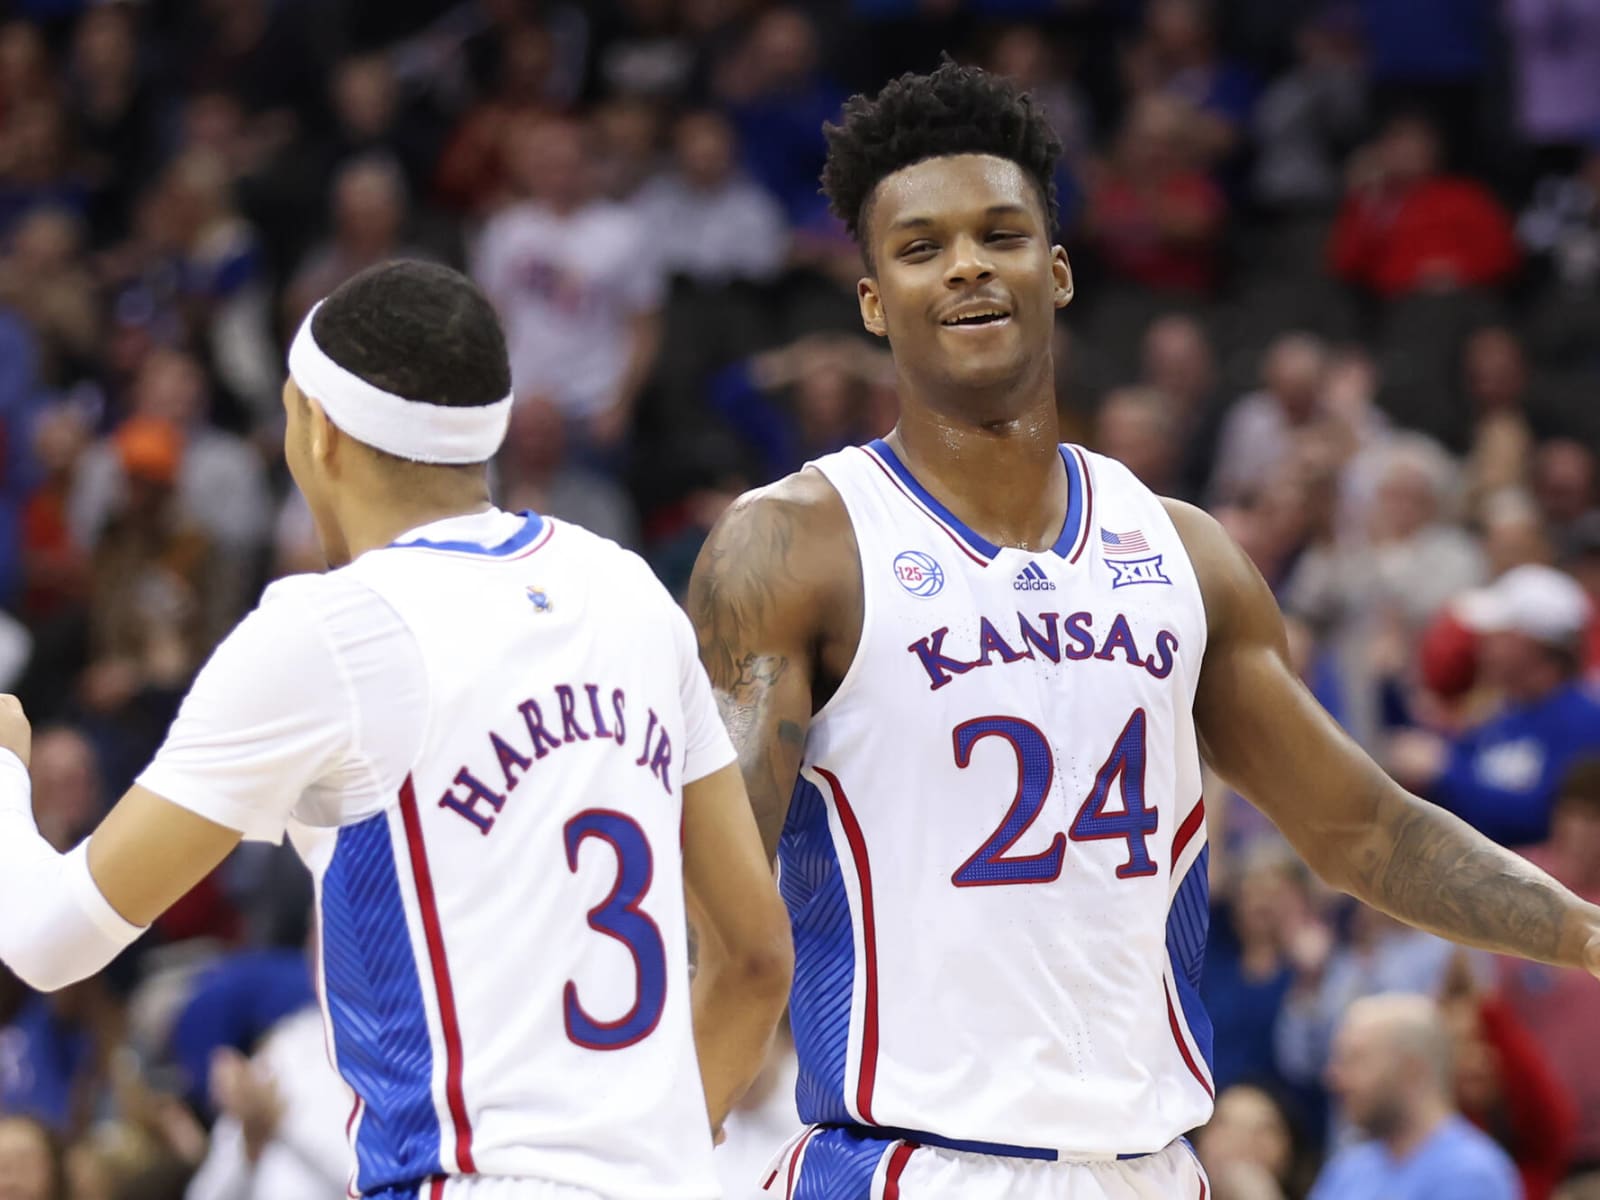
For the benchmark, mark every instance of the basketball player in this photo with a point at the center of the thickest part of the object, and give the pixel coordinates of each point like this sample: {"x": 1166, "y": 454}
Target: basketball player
{"x": 971, "y": 674}
{"x": 486, "y": 734}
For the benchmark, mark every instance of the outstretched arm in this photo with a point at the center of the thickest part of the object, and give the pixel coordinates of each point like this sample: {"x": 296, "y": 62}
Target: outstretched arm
{"x": 1261, "y": 730}
{"x": 64, "y": 917}
{"x": 755, "y": 599}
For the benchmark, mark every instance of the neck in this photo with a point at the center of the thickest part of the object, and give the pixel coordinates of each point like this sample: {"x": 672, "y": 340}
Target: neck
{"x": 1418, "y": 1127}
{"x": 369, "y": 525}
{"x": 1002, "y": 477}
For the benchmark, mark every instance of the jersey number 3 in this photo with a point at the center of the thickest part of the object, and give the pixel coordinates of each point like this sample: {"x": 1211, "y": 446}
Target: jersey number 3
{"x": 990, "y": 865}
{"x": 619, "y": 916}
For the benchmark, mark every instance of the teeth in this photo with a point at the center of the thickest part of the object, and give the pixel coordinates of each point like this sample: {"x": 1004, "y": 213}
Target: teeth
{"x": 968, "y": 318}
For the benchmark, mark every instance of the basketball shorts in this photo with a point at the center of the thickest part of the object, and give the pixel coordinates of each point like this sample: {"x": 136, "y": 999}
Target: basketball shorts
{"x": 830, "y": 1163}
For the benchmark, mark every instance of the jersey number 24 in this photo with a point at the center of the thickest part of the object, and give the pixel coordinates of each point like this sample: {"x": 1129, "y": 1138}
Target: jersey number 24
{"x": 990, "y": 865}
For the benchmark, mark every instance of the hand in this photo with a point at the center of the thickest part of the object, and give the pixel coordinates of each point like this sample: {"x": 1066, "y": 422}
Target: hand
{"x": 1591, "y": 955}
{"x": 247, "y": 1095}
{"x": 1416, "y": 757}
{"x": 1308, "y": 948}
{"x": 16, "y": 735}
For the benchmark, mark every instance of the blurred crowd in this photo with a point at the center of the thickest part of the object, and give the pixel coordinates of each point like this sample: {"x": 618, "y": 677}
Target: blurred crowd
{"x": 1338, "y": 280}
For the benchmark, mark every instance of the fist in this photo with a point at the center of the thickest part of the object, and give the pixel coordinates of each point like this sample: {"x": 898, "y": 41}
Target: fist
{"x": 16, "y": 735}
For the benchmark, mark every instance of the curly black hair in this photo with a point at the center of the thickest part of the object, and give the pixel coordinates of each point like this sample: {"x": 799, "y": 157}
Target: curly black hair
{"x": 418, "y": 330}
{"x": 954, "y": 110}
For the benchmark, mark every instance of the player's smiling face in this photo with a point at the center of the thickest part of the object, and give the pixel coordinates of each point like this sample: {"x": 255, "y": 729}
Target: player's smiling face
{"x": 965, "y": 278}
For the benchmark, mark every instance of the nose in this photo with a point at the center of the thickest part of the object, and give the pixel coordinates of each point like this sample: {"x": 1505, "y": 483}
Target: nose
{"x": 969, "y": 263}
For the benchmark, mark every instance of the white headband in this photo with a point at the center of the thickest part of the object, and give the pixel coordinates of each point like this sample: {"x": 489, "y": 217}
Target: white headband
{"x": 411, "y": 429}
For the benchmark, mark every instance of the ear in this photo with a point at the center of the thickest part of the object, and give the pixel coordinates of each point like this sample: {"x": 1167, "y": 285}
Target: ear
{"x": 322, "y": 435}
{"x": 871, "y": 305}
{"x": 1061, "y": 272}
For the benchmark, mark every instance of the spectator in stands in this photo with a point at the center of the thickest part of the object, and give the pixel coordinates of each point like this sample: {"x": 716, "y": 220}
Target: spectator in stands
{"x": 576, "y": 286}
{"x": 233, "y": 1003}
{"x": 1506, "y": 1084}
{"x": 797, "y": 402}
{"x": 1564, "y": 484}
{"x": 369, "y": 222}
{"x": 1135, "y": 426}
{"x": 1252, "y": 1148}
{"x": 26, "y": 71}
{"x": 116, "y": 109}
{"x": 1561, "y": 1009}
{"x": 1392, "y": 1072}
{"x": 1310, "y": 117}
{"x": 1176, "y": 358}
{"x": 45, "y": 277}
{"x": 1378, "y": 956}
{"x": 626, "y": 140}
{"x": 778, "y": 96}
{"x": 1258, "y": 432}
{"x": 38, "y": 163}
{"x": 1503, "y": 775}
{"x": 1372, "y": 593}
{"x": 31, "y": 1166}
{"x": 56, "y": 1053}
{"x": 1024, "y": 55}
{"x": 535, "y": 473}
{"x": 370, "y": 121}
{"x": 1178, "y": 57}
{"x": 283, "y": 1112}
{"x": 1406, "y": 226}
{"x": 1156, "y": 219}
{"x": 1555, "y": 55}
{"x": 221, "y": 276}
{"x": 221, "y": 486}
{"x": 1247, "y": 969}
{"x": 708, "y": 222}
{"x": 68, "y": 797}
{"x": 473, "y": 175}
{"x": 152, "y": 614}
{"x": 1495, "y": 372}
{"x": 55, "y": 565}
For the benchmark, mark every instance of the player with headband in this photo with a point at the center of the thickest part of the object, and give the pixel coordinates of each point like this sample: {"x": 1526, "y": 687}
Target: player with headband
{"x": 489, "y": 737}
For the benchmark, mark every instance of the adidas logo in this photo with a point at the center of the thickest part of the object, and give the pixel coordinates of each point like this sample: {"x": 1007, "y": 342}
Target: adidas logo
{"x": 1032, "y": 579}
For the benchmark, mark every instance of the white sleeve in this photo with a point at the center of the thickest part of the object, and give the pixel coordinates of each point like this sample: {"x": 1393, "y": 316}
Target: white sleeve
{"x": 709, "y": 748}
{"x": 268, "y": 715}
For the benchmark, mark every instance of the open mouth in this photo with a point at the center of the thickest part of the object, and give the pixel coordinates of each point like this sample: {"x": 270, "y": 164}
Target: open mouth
{"x": 977, "y": 319}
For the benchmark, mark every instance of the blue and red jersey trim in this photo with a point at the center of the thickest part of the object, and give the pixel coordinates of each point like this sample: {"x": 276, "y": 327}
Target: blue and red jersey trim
{"x": 1069, "y": 544}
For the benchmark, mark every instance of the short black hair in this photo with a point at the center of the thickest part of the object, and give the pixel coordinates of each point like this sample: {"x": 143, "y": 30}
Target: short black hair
{"x": 417, "y": 330}
{"x": 954, "y": 110}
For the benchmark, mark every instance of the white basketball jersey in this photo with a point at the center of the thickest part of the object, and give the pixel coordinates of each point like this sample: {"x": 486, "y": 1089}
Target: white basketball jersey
{"x": 504, "y": 948}
{"x": 995, "y": 858}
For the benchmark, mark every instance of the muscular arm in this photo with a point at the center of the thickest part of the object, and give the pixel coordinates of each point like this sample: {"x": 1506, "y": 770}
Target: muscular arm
{"x": 1261, "y": 730}
{"x": 757, "y": 598}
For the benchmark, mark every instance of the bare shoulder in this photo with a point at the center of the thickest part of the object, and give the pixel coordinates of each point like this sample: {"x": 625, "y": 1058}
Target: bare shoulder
{"x": 777, "y": 561}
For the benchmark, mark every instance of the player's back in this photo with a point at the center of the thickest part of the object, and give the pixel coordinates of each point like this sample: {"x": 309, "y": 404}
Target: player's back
{"x": 504, "y": 944}
{"x": 995, "y": 856}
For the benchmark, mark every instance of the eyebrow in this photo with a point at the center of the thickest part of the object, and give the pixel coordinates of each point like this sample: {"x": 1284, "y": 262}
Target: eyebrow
{"x": 994, "y": 210}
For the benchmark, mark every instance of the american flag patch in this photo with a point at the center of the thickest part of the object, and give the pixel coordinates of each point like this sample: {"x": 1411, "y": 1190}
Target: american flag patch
{"x": 1123, "y": 543}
